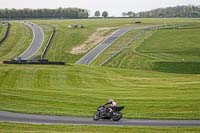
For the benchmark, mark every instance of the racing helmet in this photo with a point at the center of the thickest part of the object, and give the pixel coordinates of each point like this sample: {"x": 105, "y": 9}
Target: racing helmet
{"x": 110, "y": 100}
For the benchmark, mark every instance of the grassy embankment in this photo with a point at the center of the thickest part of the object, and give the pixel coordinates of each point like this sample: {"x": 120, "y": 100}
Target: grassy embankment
{"x": 21, "y": 128}
{"x": 78, "y": 90}
{"x": 65, "y": 39}
{"x": 61, "y": 90}
{"x": 167, "y": 50}
{"x": 117, "y": 45}
{"x": 175, "y": 45}
{"x": 18, "y": 40}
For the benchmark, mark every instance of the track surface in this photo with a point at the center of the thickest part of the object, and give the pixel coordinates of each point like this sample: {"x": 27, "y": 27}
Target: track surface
{"x": 45, "y": 119}
{"x": 36, "y": 42}
{"x": 94, "y": 53}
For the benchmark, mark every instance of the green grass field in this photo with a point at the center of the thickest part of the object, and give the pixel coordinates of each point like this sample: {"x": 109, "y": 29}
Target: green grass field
{"x": 129, "y": 58}
{"x": 79, "y": 90}
{"x": 21, "y": 128}
{"x": 157, "y": 77}
{"x": 17, "y": 42}
{"x": 60, "y": 90}
{"x": 173, "y": 45}
{"x": 65, "y": 39}
{"x": 167, "y": 50}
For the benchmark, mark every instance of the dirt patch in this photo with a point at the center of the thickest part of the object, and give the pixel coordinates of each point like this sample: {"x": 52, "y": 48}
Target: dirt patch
{"x": 98, "y": 36}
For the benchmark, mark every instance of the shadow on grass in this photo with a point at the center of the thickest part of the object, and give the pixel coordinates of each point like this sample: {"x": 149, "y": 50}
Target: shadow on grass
{"x": 177, "y": 67}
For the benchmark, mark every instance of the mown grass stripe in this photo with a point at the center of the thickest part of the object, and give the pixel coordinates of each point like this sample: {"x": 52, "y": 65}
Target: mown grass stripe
{"x": 78, "y": 90}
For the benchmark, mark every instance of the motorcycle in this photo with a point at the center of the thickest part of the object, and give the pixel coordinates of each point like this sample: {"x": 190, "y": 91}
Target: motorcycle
{"x": 104, "y": 113}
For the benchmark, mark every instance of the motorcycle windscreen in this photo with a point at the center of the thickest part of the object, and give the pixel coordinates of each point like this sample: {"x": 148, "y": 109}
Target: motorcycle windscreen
{"x": 119, "y": 108}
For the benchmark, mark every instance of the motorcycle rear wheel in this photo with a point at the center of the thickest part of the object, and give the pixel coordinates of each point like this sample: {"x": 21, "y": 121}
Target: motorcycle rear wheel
{"x": 116, "y": 116}
{"x": 96, "y": 116}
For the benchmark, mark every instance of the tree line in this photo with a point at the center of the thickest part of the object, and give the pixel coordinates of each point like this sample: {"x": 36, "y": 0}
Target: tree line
{"x": 43, "y": 13}
{"x": 98, "y": 14}
{"x": 169, "y": 12}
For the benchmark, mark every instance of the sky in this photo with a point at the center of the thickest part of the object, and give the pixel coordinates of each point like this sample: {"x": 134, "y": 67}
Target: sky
{"x": 114, "y": 7}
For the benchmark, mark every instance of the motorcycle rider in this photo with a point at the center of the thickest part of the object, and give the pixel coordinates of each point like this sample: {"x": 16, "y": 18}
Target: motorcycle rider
{"x": 112, "y": 104}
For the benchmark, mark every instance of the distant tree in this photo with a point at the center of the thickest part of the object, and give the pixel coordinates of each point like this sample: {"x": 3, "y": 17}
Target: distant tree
{"x": 195, "y": 14}
{"x": 178, "y": 11}
{"x": 82, "y": 15}
{"x": 124, "y": 14}
{"x": 97, "y": 14}
{"x": 131, "y": 14}
{"x": 43, "y": 13}
{"x": 105, "y": 14}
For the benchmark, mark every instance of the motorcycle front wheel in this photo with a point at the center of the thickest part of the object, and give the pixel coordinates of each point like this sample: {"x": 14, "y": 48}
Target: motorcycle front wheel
{"x": 96, "y": 116}
{"x": 116, "y": 116}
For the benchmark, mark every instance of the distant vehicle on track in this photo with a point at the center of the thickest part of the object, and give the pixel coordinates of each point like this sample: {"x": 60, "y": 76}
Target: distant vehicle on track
{"x": 75, "y": 26}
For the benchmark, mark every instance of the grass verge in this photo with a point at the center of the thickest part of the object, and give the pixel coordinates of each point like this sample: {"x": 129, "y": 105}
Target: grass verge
{"x": 22, "y": 128}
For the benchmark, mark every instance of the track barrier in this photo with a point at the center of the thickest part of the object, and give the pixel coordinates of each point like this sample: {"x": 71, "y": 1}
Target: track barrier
{"x": 48, "y": 44}
{"x": 37, "y": 62}
{"x": 6, "y": 34}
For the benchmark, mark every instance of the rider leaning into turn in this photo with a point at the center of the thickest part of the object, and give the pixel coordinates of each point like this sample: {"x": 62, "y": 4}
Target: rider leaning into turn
{"x": 111, "y": 104}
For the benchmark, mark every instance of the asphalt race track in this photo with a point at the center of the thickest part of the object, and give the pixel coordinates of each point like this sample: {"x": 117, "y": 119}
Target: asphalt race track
{"x": 95, "y": 52}
{"x": 45, "y": 119}
{"x": 38, "y": 38}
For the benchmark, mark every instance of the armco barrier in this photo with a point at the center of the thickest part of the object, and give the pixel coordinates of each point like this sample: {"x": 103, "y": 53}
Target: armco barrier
{"x": 6, "y": 34}
{"x": 37, "y": 62}
{"x": 126, "y": 45}
{"x": 48, "y": 44}
{"x": 121, "y": 49}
